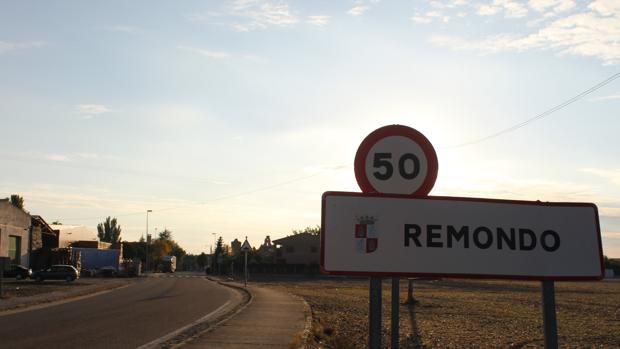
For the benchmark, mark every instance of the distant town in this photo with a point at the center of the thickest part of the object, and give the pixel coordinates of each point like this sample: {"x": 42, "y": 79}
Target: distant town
{"x": 37, "y": 244}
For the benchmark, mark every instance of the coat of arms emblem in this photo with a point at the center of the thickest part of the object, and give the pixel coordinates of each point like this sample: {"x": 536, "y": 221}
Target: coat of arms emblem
{"x": 366, "y": 235}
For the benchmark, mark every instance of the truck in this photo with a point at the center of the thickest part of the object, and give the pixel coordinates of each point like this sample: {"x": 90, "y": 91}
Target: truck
{"x": 169, "y": 264}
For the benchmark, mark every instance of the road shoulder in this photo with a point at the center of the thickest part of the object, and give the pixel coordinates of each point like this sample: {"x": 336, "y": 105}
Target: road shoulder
{"x": 62, "y": 294}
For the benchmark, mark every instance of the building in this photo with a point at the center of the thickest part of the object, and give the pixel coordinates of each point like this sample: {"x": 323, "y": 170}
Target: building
{"x": 14, "y": 233}
{"x": 300, "y": 248}
{"x": 267, "y": 251}
{"x": 43, "y": 235}
{"x": 235, "y": 247}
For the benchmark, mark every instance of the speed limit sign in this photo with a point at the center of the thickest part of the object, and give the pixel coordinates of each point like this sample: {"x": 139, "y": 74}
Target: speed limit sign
{"x": 396, "y": 159}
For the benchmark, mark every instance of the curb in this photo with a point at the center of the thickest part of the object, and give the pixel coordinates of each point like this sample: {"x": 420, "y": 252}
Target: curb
{"x": 202, "y": 326}
{"x": 305, "y": 336}
{"x": 305, "y": 333}
{"x": 307, "y": 330}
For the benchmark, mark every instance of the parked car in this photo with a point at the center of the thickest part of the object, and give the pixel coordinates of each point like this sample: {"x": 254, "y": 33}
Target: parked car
{"x": 18, "y": 271}
{"x": 108, "y": 271}
{"x": 88, "y": 272}
{"x": 57, "y": 272}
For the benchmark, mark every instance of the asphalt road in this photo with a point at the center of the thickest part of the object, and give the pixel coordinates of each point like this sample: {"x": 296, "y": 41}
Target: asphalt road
{"x": 124, "y": 318}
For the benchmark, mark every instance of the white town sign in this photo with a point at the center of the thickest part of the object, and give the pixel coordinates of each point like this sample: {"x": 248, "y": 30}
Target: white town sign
{"x": 378, "y": 234}
{"x": 394, "y": 229}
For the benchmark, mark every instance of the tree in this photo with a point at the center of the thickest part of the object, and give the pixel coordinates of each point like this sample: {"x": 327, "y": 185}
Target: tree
{"x": 612, "y": 264}
{"x": 175, "y": 249}
{"x": 56, "y": 222}
{"x": 109, "y": 230}
{"x": 165, "y": 235}
{"x": 201, "y": 260}
{"x": 134, "y": 249}
{"x": 161, "y": 248}
{"x": 219, "y": 247}
{"x": 17, "y": 201}
{"x": 316, "y": 230}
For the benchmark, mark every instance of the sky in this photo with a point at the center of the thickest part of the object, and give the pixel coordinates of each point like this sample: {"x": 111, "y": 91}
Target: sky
{"x": 231, "y": 118}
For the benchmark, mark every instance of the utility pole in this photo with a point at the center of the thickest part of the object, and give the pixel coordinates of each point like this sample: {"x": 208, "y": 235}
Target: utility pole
{"x": 148, "y": 240}
{"x": 245, "y": 248}
{"x": 214, "y": 259}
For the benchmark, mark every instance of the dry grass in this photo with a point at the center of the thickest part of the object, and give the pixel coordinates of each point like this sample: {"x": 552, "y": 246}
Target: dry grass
{"x": 457, "y": 313}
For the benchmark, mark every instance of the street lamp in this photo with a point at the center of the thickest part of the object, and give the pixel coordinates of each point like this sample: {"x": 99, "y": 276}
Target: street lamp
{"x": 147, "y": 241}
{"x": 213, "y": 256}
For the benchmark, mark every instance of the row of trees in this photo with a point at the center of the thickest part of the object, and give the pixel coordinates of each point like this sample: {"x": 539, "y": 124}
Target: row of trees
{"x": 163, "y": 245}
{"x": 612, "y": 264}
{"x": 17, "y": 201}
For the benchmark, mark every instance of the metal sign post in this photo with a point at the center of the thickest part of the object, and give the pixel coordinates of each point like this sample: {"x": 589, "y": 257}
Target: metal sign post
{"x": 1, "y": 277}
{"x": 374, "y": 314}
{"x": 245, "y": 272}
{"x": 549, "y": 321}
{"x": 395, "y": 312}
{"x": 245, "y": 248}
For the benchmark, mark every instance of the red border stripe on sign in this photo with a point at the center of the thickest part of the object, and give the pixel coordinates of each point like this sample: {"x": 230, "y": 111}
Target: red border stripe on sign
{"x": 396, "y": 130}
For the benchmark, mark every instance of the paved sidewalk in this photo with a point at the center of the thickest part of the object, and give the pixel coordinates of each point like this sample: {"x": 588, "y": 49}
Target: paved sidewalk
{"x": 270, "y": 321}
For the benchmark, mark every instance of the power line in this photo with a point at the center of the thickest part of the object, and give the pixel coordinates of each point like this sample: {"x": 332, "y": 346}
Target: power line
{"x": 541, "y": 115}
{"x": 225, "y": 197}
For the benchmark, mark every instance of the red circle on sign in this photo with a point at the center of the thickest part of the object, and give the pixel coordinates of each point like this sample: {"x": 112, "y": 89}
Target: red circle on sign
{"x": 403, "y": 131}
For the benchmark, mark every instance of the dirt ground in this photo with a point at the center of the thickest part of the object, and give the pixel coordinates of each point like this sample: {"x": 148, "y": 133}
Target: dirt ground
{"x": 462, "y": 313}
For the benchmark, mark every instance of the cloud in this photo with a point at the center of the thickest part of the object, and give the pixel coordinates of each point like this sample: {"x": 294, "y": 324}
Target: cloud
{"x": 593, "y": 33}
{"x": 611, "y": 235}
{"x": 609, "y": 211}
{"x": 204, "y": 52}
{"x": 429, "y": 16}
{"x": 91, "y": 109}
{"x": 555, "y": 5}
{"x": 71, "y": 157}
{"x": 327, "y": 168}
{"x": 57, "y": 157}
{"x": 6, "y": 46}
{"x": 319, "y": 21}
{"x": 446, "y": 4}
{"x": 606, "y": 7}
{"x": 358, "y": 10}
{"x": 87, "y": 155}
{"x": 249, "y": 15}
{"x": 510, "y": 8}
{"x": 487, "y": 10}
{"x": 492, "y": 44}
{"x": 123, "y": 29}
{"x": 201, "y": 17}
{"x": 605, "y": 98}
{"x": 419, "y": 18}
{"x": 258, "y": 14}
{"x": 612, "y": 175}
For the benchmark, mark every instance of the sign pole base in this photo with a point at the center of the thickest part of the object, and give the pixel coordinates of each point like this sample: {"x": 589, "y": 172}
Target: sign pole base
{"x": 1, "y": 277}
{"x": 395, "y": 312}
{"x": 374, "y": 314}
{"x": 245, "y": 272}
{"x": 549, "y": 320}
